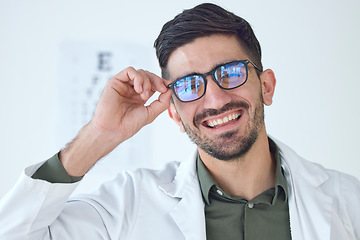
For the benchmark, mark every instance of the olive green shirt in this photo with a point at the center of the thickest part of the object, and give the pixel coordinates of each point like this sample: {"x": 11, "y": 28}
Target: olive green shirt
{"x": 53, "y": 171}
{"x": 232, "y": 217}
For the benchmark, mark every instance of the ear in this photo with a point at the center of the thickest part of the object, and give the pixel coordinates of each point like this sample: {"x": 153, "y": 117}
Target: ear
{"x": 268, "y": 82}
{"x": 173, "y": 114}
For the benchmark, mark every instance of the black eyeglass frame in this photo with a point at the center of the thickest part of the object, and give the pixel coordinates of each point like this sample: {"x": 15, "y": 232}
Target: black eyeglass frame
{"x": 212, "y": 73}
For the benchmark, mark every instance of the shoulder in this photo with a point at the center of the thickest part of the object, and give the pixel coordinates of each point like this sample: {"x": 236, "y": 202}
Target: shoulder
{"x": 133, "y": 181}
{"x": 165, "y": 173}
{"x": 331, "y": 182}
{"x": 343, "y": 185}
{"x": 128, "y": 189}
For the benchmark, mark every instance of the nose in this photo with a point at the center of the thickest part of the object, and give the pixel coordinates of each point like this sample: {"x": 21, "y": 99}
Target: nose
{"x": 215, "y": 97}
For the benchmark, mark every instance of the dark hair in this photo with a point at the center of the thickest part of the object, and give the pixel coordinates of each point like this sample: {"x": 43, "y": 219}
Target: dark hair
{"x": 204, "y": 20}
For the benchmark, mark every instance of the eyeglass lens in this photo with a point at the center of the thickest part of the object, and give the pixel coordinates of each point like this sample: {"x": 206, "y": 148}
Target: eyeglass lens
{"x": 227, "y": 76}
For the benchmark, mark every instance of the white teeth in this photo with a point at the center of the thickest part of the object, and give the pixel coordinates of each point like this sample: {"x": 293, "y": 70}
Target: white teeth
{"x": 224, "y": 120}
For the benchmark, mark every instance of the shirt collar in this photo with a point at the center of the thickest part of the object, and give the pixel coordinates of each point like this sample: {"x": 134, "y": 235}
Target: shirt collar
{"x": 207, "y": 181}
{"x": 280, "y": 181}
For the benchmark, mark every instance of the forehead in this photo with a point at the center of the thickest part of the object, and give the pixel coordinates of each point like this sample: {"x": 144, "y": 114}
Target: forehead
{"x": 203, "y": 54}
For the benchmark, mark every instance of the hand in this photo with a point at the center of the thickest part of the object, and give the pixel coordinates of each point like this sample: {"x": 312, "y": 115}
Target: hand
{"x": 120, "y": 113}
{"x": 121, "y": 110}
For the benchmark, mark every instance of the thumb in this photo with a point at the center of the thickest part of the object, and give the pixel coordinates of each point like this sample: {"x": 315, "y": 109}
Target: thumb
{"x": 159, "y": 105}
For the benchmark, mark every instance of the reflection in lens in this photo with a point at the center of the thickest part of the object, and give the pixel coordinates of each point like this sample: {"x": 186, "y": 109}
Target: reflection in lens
{"x": 231, "y": 75}
{"x": 190, "y": 88}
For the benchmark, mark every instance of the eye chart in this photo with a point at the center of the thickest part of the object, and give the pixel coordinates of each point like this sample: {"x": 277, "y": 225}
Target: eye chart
{"x": 84, "y": 68}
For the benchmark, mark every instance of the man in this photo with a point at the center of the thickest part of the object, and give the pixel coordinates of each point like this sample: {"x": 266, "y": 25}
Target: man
{"x": 240, "y": 185}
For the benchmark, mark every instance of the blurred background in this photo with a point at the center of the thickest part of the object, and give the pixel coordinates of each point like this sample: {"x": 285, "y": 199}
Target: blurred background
{"x": 55, "y": 57}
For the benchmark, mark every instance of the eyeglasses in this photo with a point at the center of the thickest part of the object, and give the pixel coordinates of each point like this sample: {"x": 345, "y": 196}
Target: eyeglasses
{"x": 227, "y": 76}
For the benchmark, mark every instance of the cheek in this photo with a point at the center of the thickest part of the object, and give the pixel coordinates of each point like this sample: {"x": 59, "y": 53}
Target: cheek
{"x": 253, "y": 92}
{"x": 249, "y": 94}
{"x": 187, "y": 112}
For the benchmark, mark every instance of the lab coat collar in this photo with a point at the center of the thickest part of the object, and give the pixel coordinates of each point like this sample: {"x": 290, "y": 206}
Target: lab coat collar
{"x": 310, "y": 209}
{"x": 188, "y": 214}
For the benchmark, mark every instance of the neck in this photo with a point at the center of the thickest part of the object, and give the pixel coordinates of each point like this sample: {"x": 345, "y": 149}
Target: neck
{"x": 247, "y": 176}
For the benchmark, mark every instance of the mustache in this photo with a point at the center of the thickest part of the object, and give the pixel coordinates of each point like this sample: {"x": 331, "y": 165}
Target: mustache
{"x": 198, "y": 118}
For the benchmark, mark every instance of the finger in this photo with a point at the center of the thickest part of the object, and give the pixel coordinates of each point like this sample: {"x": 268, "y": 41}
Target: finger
{"x": 167, "y": 82}
{"x": 144, "y": 82}
{"x": 131, "y": 76}
{"x": 159, "y": 105}
{"x": 159, "y": 84}
{"x": 147, "y": 87}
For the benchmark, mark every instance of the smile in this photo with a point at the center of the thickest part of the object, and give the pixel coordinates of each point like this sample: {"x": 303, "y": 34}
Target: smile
{"x": 223, "y": 121}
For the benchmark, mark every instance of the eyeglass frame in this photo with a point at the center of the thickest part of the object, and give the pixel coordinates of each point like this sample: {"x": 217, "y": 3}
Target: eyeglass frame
{"x": 212, "y": 73}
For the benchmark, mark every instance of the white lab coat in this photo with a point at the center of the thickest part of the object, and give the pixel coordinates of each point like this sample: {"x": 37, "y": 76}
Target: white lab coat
{"x": 167, "y": 204}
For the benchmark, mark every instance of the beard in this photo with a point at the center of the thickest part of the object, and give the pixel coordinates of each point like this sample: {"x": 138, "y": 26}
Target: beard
{"x": 230, "y": 145}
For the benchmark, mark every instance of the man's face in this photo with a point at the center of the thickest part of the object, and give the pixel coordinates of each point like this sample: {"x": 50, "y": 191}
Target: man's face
{"x": 223, "y": 123}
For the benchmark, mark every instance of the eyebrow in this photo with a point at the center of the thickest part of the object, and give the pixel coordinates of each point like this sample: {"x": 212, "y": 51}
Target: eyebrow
{"x": 187, "y": 75}
{"x": 197, "y": 73}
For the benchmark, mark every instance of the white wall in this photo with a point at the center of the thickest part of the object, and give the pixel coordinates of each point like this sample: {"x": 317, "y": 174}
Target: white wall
{"x": 311, "y": 45}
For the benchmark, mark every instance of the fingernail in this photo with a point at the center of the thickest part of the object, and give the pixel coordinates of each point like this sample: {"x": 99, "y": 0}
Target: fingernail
{"x": 165, "y": 88}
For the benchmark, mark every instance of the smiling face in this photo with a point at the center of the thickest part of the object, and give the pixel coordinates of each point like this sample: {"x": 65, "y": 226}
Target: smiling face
{"x": 223, "y": 123}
